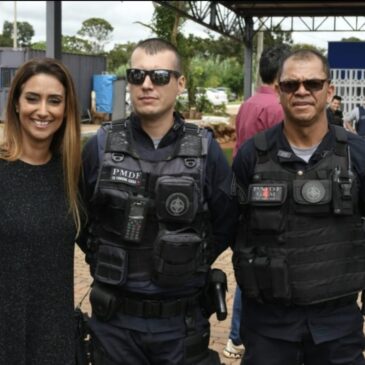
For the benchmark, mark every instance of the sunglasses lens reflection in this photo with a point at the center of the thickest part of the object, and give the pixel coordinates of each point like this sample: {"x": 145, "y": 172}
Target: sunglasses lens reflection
{"x": 136, "y": 76}
{"x": 291, "y": 86}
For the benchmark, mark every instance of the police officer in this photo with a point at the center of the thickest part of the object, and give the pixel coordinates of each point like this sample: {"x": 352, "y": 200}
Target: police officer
{"x": 300, "y": 253}
{"x": 158, "y": 191}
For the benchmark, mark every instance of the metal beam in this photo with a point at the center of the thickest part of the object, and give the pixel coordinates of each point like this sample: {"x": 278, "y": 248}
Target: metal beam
{"x": 212, "y": 15}
{"x": 228, "y": 17}
{"x": 53, "y": 29}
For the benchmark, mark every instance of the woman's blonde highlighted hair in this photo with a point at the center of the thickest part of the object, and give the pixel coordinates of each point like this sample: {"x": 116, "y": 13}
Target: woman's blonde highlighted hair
{"x": 66, "y": 141}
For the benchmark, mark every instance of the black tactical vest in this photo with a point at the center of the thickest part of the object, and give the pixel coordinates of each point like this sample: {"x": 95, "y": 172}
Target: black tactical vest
{"x": 301, "y": 241}
{"x": 151, "y": 217}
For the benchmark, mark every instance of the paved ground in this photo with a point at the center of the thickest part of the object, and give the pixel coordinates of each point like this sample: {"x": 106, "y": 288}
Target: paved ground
{"x": 219, "y": 330}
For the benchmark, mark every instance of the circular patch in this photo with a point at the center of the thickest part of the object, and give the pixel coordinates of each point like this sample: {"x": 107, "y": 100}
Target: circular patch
{"x": 313, "y": 191}
{"x": 177, "y": 204}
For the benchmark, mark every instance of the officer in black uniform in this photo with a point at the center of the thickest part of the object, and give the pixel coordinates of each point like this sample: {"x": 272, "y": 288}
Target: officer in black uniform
{"x": 158, "y": 193}
{"x": 300, "y": 252}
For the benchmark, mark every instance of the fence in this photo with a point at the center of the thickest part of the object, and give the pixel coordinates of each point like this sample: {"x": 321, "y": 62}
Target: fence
{"x": 350, "y": 85}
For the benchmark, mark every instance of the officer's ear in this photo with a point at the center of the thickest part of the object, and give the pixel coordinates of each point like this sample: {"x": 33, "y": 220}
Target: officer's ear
{"x": 330, "y": 91}
{"x": 181, "y": 84}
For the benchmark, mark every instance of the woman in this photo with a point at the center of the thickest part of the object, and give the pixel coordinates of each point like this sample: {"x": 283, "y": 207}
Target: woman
{"x": 39, "y": 216}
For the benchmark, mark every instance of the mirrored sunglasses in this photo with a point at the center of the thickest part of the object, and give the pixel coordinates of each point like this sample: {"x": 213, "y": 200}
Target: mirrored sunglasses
{"x": 136, "y": 76}
{"x": 291, "y": 86}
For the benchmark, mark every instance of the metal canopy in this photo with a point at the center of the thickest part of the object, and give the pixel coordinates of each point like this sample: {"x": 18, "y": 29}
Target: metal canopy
{"x": 240, "y": 20}
{"x": 231, "y": 18}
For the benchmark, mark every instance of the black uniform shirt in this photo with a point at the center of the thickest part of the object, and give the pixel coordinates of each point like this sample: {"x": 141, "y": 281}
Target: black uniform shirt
{"x": 326, "y": 321}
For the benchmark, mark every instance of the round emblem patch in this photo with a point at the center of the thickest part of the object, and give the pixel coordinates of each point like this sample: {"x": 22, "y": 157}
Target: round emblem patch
{"x": 313, "y": 191}
{"x": 177, "y": 204}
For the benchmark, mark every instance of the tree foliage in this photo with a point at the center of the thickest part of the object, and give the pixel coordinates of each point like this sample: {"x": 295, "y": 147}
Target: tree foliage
{"x": 119, "y": 56}
{"x": 97, "y": 32}
{"x": 25, "y": 32}
{"x": 73, "y": 44}
{"x": 5, "y": 41}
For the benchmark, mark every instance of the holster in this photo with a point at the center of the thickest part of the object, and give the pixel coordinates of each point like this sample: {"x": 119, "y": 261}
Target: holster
{"x": 213, "y": 299}
{"x": 104, "y": 302}
{"x": 82, "y": 337}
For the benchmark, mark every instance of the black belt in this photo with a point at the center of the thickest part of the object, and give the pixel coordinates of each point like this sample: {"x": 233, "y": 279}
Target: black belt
{"x": 150, "y": 308}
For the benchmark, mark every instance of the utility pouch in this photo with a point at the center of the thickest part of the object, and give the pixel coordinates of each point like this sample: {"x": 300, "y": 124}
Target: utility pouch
{"x": 245, "y": 272}
{"x": 104, "y": 303}
{"x": 342, "y": 195}
{"x": 176, "y": 257}
{"x": 312, "y": 196}
{"x": 262, "y": 273}
{"x": 176, "y": 199}
{"x": 280, "y": 278}
{"x": 196, "y": 347}
{"x": 267, "y": 201}
{"x": 111, "y": 265}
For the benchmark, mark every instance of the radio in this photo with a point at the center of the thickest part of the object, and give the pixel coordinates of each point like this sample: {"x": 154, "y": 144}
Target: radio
{"x": 135, "y": 219}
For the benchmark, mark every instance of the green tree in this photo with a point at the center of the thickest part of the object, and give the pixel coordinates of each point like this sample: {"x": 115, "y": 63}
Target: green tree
{"x": 5, "y": 41}
{"x": 39, "y": 46}
{"x": 73, "y": 44}
{"x": 25, "y": 32}
{"x": 351, "y": 39}
{"x": 98, "y": 32}
{"x": 70, "y": 44}
{"x": 119, "y": 56}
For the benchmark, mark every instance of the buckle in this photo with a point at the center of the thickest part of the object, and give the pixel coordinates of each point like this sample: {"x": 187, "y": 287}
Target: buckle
{"x": 190, "y": 162}
{"x": 151, "y": 308}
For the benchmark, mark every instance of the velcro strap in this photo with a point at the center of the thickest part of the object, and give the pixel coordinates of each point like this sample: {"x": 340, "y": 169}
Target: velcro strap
{"x": 149, "y": 308}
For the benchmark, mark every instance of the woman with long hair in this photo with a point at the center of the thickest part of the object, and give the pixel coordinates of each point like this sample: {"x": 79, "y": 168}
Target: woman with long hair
{"x": 40, "y": 166}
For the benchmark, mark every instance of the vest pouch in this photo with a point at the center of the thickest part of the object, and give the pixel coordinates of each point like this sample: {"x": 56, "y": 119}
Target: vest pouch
{"x": 111, "y": 265}
{"x": 342, "y": 195}
{"x": 113, "y": 211}
{"x": 176, "y": 256}
{"x": 176, "y": 199}
{"x": 312, "y": 197}
{"x": 245, "y": 273}
{"x": 280, "y": 278}
{"x": 268, "y": 208}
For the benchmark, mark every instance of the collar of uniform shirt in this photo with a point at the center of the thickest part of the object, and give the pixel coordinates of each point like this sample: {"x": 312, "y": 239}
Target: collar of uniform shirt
{"x": 140, "y": 135}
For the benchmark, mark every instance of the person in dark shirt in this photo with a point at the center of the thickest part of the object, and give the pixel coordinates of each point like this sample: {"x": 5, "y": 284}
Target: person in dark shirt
{"x": 158, "y": 192}
{"x": 299, "y": 257}
{"x": 334, "y": 112}
{"x": 40, "y": 167}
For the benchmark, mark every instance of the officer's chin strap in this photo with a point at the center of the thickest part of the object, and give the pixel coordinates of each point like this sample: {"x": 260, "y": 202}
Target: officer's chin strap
{"x": 363, "y": 302}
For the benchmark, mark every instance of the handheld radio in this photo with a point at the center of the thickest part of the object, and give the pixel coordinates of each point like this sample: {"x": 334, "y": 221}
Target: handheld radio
{"x": 135, "y": 219}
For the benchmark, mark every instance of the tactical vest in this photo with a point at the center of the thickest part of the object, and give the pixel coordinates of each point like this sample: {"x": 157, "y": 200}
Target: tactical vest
{"x": 152, "y": 220}
{"x": 360, "y": 125}
{"x": 301, "y": 241}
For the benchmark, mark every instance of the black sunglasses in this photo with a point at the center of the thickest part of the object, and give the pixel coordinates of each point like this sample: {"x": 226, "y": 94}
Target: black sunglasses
{"x": 291, "y": 86}
{"x": 159, "y": 77}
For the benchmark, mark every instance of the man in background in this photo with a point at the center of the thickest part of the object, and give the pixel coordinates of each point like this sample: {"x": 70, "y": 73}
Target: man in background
{"x": 355, "y": 121}
{"x": 334, "y": 112}
{"x": 262, "y": 110}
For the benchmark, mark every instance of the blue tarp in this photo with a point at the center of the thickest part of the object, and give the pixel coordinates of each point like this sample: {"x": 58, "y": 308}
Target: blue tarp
{"x": 103, "y": 87}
